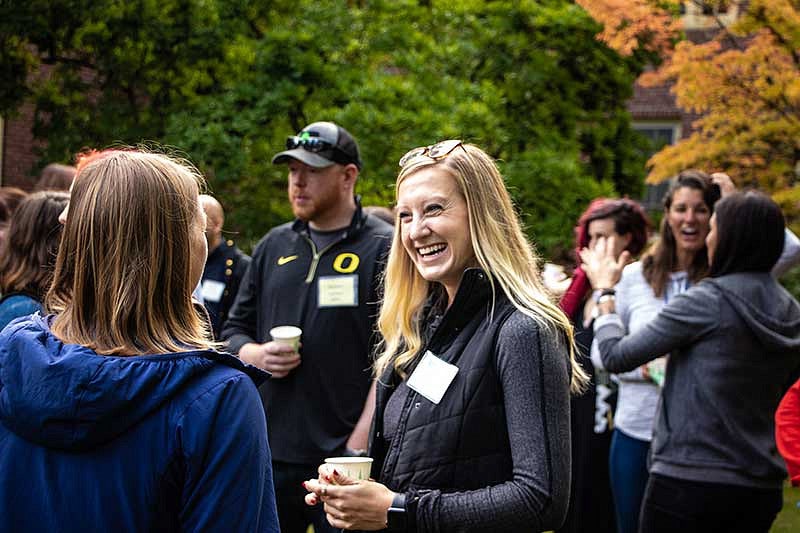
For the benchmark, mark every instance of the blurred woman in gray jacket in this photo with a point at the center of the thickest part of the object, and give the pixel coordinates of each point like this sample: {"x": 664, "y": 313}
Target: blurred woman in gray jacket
{"x": 734, "y": 341}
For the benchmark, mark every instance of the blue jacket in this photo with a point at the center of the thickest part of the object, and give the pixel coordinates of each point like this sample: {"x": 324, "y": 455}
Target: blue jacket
{"x": 170, "y": 442}
{"x": 16, "y": 305}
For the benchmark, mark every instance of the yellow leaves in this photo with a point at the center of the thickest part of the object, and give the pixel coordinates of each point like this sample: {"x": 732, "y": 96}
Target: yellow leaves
{"x": 781, "y": 16}
{"x": 632, "y": 24}
{"x": 749, "y": 102}
{"x": 744, "y": 85}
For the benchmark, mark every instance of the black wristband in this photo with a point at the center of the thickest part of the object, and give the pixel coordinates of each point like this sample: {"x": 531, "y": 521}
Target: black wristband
{"x": 402, "y": 515}
{"x": 599, "y": 293}
{"x": 396, "y": 516}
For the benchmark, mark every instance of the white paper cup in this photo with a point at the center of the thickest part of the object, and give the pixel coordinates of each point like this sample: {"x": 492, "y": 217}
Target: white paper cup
{"x": 287, "y": 336}
{"x": 352, "y": 467}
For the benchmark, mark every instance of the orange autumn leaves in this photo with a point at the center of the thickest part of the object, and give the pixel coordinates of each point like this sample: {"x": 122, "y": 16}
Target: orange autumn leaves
{"x": 632, "y": 24}
{"x": 744, "y": 84}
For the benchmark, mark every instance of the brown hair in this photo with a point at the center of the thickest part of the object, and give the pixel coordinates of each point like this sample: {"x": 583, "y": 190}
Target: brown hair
{"x": 56, "y": 177}
{"x": 11, "y": 197}
{"x": 122, "y": 279}
{"x": 29, "y": 249}
{"x": 662, "y": 259}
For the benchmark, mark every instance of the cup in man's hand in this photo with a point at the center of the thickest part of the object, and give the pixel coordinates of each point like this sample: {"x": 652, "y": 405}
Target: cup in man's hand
{"x": 287, "y": 336}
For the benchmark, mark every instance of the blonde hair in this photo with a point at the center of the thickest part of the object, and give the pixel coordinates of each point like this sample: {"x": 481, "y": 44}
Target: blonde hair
{"x": 122, "y": 277}
{"x": 501, "y": 250}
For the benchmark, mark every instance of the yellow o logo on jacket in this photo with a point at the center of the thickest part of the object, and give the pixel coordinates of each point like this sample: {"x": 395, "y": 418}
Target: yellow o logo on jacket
{"x": 346, "y": 263}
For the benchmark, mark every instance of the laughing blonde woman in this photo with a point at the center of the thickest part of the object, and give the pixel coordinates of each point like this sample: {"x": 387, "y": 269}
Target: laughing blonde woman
{"x": 471, "y": 431}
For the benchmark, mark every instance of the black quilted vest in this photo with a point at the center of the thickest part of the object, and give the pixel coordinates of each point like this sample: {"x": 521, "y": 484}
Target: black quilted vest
{"x": 461, "y": 443}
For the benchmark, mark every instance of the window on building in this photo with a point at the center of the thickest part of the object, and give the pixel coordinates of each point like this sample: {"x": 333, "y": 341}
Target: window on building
{"x": 660, "y": 134}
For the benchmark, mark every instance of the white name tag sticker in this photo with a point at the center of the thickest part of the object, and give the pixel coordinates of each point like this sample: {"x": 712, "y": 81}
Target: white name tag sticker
{"x": 432, "y": 377}
{"x": 337, "y": 291}
{"x": 212, "y": 290}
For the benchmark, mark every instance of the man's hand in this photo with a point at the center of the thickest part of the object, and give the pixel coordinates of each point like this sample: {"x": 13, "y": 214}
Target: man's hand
{"x": 278, "y": 359}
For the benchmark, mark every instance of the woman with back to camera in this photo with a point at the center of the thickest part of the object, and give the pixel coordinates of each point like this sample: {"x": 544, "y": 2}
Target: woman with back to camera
{"x": 116, "y": 412}
{"x": 734, "y": 345}
{"x": 471, "y": 431}
{"x": 591, "y": 504}
{"x": 28, "y": 253}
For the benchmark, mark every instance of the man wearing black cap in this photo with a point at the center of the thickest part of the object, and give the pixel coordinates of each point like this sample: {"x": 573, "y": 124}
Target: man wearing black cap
{"x": 319, "y": 273}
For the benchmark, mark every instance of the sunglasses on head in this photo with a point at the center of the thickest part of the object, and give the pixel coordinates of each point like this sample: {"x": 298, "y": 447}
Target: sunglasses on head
{"x": 439, "y": 150}
{"x": 312, "y": 144}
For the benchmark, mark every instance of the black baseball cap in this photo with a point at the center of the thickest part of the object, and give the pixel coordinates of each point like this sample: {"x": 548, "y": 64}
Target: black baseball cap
{"x": 320, "y": 145}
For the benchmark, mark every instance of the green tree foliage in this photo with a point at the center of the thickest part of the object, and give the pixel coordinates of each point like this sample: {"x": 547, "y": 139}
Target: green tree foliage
{"x": 226, "y": 81}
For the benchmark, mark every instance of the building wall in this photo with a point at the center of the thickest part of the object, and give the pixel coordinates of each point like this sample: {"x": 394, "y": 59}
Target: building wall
{"x": 18, "y": 155}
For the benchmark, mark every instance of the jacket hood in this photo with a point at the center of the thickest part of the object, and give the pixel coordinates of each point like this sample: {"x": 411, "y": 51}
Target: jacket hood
{"x": 65, "y": 396}
{"x": 765, "y": 306}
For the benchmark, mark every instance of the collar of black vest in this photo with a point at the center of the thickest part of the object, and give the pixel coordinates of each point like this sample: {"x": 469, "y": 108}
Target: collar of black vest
{"x": 473, "y": 293}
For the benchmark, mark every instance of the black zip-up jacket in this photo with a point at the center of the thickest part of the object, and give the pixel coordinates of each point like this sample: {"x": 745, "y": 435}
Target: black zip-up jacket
{"x": 225, "y": 264}
{"x": 494, "y": 454}
{"x": 313, "y": 410}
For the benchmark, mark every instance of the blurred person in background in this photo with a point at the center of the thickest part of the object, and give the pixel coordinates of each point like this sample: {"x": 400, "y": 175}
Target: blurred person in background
{"x": 55, "y": 177}
{"x": 591, "y": 505}
{"x": 384, "y": 213}
{"x": 787, "y": 431}
{"x": 11, "y": 197}
{"x": 225, "y": 266}
{"x": 28, "y": 253}
{"x": 676, "y": 261}
{"x": 733, "y": 340}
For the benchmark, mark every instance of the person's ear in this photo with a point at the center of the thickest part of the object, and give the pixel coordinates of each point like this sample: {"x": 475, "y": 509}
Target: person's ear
{"x": 350, "y": 174}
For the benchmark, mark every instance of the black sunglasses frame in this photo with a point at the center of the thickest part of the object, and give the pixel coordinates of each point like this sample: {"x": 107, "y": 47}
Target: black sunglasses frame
{"x": 436, "y": 151}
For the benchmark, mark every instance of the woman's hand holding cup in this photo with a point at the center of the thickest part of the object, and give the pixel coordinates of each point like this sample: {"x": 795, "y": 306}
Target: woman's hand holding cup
{"x": 349, "y": 503}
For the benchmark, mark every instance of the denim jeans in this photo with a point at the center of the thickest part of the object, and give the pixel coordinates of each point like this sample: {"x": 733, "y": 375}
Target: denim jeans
{"x": 628, "y": 470}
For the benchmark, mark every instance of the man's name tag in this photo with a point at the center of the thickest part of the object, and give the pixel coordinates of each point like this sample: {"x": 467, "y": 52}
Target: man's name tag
{"x": 337, "y": 291}
{"x": 212, "y": 290}
{"x": 432, "y": 377}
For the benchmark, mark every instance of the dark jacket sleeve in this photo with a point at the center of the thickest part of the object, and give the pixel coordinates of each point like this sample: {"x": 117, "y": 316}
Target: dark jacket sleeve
{"x": 240, "y": 327}
{"x": 228, "y": 484}
{"x": 686, "y": 318}
{"x": 533, "y": 370}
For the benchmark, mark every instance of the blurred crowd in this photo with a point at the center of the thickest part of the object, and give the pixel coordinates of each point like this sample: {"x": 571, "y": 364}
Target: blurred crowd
{"x": 153, "y": 376}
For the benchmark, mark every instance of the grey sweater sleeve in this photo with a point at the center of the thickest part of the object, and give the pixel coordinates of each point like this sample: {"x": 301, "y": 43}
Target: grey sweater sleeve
{"x": 790, "y": 256}
{"x": 532, "y": 366}
{"x": 687, "y": 317}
